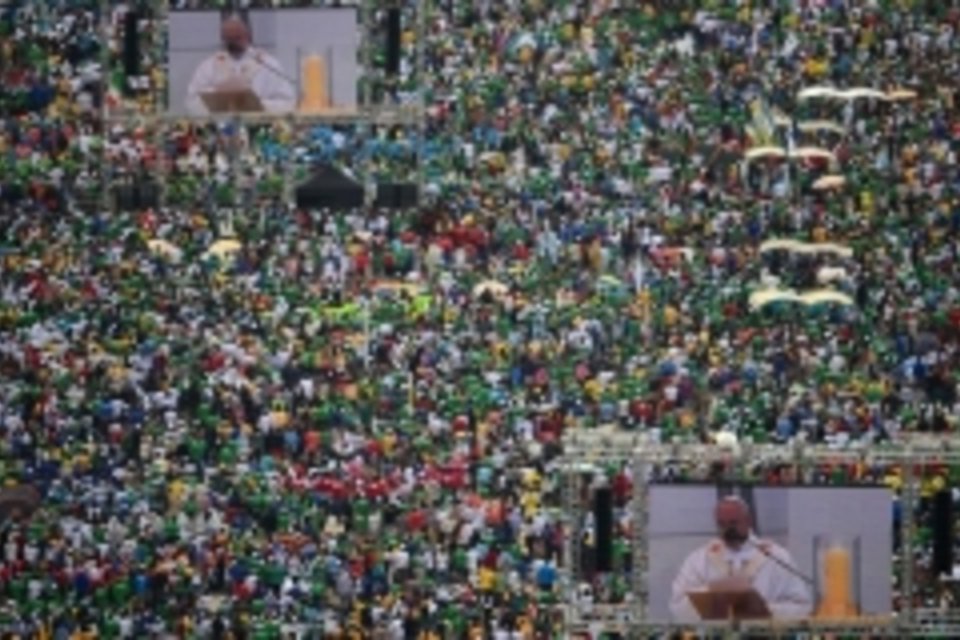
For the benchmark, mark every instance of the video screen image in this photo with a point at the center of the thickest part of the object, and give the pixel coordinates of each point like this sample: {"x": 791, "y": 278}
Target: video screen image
{"x": 770, "y": 552}
{"x": 263, "y": 61}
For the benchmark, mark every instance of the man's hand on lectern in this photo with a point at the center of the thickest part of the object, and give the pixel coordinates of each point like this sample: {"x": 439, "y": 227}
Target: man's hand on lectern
{"x": 736, "y": 584}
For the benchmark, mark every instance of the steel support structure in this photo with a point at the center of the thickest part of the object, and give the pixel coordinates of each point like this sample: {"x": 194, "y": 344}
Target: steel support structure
{"x": 585, "y": 451}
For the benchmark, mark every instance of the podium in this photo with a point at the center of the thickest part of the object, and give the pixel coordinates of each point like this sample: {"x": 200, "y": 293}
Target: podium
{"x": 729, "y": 605}
{"x": 242, "y": 100}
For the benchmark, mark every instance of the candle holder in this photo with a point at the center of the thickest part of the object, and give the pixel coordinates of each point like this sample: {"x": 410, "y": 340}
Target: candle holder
{"x": 837, "y": 576}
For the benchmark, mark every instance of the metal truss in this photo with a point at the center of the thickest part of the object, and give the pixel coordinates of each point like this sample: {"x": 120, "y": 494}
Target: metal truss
{"x": 600, "y": 447}
{"x": 586, "y": 451}
{"x": 379, "y": 115}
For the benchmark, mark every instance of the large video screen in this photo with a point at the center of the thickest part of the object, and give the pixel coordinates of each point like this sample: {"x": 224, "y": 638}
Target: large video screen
{"x": 783, "y": 552}
{"x": 277, "y": 61}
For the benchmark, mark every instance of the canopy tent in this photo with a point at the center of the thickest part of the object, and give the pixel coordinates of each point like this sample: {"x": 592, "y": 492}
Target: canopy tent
{"x": 330, "y": 188}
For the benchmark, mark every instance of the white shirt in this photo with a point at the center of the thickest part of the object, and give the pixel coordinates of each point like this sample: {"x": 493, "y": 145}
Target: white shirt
{"x": 261, "y": 70}
{"x": 786, "y": 594}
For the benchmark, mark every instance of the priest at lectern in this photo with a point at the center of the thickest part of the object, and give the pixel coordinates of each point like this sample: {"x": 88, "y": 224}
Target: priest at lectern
{"x": 739, "y": 576}
{"x": 241, "y": 78}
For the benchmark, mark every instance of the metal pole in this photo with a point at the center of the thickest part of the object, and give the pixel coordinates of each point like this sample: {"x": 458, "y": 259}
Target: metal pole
{"x": 570, "y": 517}
{"x": 907, "y": 508}
{"x": 641, "y": 542}
{"x": 420, "y": 72}
{"x": 105, "y": 15}
{"x": 162, "y": 16}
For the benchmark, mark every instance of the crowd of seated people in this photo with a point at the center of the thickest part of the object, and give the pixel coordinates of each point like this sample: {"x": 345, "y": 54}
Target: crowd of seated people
{"x": 280, "y": 421}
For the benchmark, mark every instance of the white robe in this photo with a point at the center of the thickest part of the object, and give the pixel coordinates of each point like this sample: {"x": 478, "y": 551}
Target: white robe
{"x": 786, "y": 595}
{"x": 256, "y": 67}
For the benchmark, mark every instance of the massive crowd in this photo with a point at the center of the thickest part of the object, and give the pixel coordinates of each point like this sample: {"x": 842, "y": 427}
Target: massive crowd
{"x": 348, "y": 422}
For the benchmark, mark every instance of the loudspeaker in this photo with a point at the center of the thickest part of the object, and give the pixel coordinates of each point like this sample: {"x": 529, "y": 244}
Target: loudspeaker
{"x": 603, "y": 524}
{"x": 131, "y": 44}
{"x": 396, "y": 195}
{"x": 393, "y": 42}
{"x": 942, "y": 525}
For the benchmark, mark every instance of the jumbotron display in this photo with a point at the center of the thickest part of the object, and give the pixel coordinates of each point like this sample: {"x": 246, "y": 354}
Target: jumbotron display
{"x": 263, "y": 61}
{"x": 784, "y": 553}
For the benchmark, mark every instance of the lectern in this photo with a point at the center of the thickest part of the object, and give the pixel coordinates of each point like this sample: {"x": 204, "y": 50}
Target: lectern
{"x": 242, "y": 100}
{"x": 729, "y": 605}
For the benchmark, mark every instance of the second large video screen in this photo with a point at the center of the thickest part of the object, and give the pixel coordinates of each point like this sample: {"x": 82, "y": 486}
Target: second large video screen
{"x": 277, "y": 61}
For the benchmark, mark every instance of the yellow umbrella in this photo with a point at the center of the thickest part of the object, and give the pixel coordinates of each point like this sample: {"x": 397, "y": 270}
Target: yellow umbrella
{"x": 224, "y": 247}
{"x": 765, "y": 152}
{"x": 823, "y": 296}
{"x": 829, "y": 182}
{"x": 165, "y": 248}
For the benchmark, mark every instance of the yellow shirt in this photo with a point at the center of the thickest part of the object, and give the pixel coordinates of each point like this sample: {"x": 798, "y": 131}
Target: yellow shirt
{"x": 487, "y": 579}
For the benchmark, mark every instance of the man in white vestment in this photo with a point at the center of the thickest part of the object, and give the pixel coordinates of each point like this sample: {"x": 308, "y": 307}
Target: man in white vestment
{"x": 739, "y": 561}
{"x": 238, "y": 66}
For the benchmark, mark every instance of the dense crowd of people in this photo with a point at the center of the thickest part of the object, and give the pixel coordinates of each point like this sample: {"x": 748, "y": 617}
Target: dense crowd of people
{"x": 277, "y": 420}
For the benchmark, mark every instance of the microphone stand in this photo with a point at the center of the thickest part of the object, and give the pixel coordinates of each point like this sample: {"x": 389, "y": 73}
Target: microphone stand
{"x": 258, "y": 59}
{"x": 789, "y": 568}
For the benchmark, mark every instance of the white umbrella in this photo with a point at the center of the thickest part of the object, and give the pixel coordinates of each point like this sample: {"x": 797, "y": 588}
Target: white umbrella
{"x": 821, "y": 125}
{"x": 165, "y": 248}
{"x": 901, "y": 94}
{"x": 763, "y": 297}
{"x": 829, "y": 182}
{"x": 830, "y": 247}
{"x": 782, "y": 244}
{"x": 823, "y": 296}
{"x": 805, "y": 153}
{"x": 765, "y": 152}
{"x": 863, "y": 92}
{"x": 796, "y": 246}
{"x": 224, "y": 247}
{"x": 826, "y": 275}
{"x": 811, "y": 93}
{"x": 492, "y": 287}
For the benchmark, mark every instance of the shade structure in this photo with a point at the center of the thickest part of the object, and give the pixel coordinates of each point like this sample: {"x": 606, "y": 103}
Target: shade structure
{"x": 330, "y": 188}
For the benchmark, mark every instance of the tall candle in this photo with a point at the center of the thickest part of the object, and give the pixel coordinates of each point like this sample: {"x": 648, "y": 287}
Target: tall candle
{"x": 314, "y": 76}
{"x": 836, "y": 601}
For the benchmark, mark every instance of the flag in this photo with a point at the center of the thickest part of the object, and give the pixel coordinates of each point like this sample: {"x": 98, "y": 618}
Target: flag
{"x": 763, "y": 127}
